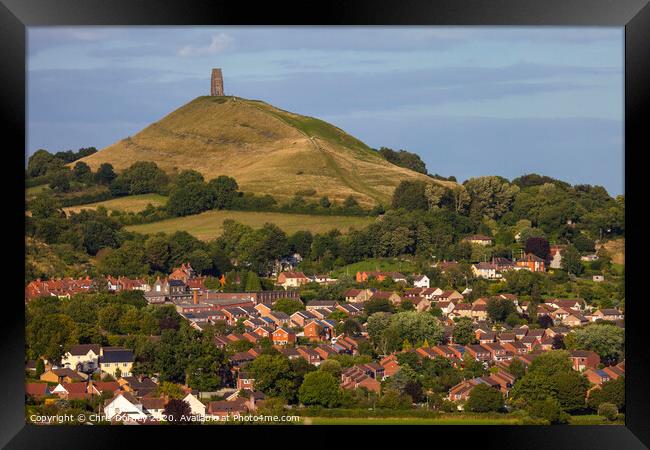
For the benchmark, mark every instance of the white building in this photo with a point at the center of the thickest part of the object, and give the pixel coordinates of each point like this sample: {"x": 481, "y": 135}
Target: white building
{"x": 83, "y": 358}
{"x": 421, "y": 281}
{"x": 124, "y": 407}
{"x": 196, "y": 406}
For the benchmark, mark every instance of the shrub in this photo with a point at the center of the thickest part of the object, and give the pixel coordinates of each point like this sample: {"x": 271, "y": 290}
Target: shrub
{"x": 608, "y": 411}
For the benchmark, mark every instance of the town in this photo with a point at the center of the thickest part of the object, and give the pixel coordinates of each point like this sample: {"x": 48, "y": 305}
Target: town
{"x": 391, "y": 340}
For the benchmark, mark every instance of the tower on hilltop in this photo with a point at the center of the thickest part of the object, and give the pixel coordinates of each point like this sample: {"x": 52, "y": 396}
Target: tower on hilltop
{"x": 216, "y": 83}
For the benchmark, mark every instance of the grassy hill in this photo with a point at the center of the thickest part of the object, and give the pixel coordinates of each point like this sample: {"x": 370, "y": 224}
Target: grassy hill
{"x": 131, "y": 203}
{"x": 208, "y": 225}
{"x": 266, "y": 149}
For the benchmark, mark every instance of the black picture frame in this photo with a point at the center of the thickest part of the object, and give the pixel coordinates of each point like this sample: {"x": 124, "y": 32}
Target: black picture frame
{"x": 634, "y": 15}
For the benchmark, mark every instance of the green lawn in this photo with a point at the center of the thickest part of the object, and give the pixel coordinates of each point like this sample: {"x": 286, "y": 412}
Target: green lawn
{"x": 32, "y": 191}
{"x": 408, "y": 421}
{"x": 383, "y": 264}
{"x": 131, "y": 203}
{"x": 208, "y": 225}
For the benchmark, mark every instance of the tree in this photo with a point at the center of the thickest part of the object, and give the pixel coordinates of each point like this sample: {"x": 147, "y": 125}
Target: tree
{"x": 350, "y": 202}
{"x": 40, "y": 368}
{"x": 81, "y": 171}
{"x": 517, "y": 368}
{"x": 499, "y": 309}
{"x": 410, "y": 195}
{"x": 224, "y": 190}
{"x": 484, "y": 398}
{"x": 105, "y": 174}
{"x": 539, "y": 247}
{"x": 548, "y": 409}
{"x": 325, "y": 202}
{"x": 612, "y": 391}
{"x": 491, "y": 196}
{"x": 190, "y": 198}
{"x": 551, "y": 375}
{"x": 178, "y": 412}
{"x": 571, "y": 260}
{"x": 331, "y": 366}
{"x": 417, "y": 327}
{"x": 378, "y": 305}
{"x": 583, "y": 244}
{"x": 608, "y": 411}
{"x": 142, "y": 177}
{"x": 463, "y": 332}
{"x": 253, "y": 283}
{"x": 60, "y": 182}
{"x": 605, "y": 339}
{"x": 98, "y": 235}
{"x": 289, "y": 305}
{"x": 319, "y": 388}
{"x": 393, "y": 399}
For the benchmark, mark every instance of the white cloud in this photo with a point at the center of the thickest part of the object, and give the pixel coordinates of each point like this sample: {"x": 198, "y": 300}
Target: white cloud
{"x": 219, "y": 43}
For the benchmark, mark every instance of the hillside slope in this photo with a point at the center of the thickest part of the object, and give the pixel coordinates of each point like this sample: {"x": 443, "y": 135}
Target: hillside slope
{"x": 267, "y": 150}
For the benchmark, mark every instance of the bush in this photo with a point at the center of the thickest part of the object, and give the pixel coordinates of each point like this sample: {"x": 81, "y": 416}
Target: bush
{"x": 549, "y": 410}
{"x": 608, "y": 411}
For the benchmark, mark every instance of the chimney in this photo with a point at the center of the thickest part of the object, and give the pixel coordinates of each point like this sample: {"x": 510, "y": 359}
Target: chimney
{"x": 196, "y": 297}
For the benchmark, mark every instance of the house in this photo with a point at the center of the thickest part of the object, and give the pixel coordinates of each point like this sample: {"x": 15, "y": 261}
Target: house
{"x": 245, "y": 380}
{"x": 531, "y": 262}
{"x": 556, "y": 256}
{"x": 576, "y": 304}
{"x": 461, "y": 391}
{"x": 358, "y": 295}
{"x": 63, "y": 375}
{"x": 479, "y": 239}
{"x": 184, "y": 273}
{"x": 478, "y": 352}
{"x": 393, "y": 297}
{"x": 449, "y": 296}
{"x": 37, "y": 390}
{"x": 310, "y": 355}
{"x": 316, "y": 331}
{"x": 153, "y": 407}
{"x": 607, "y": 314}
{"x": 82, "y": 358}
{"x": 300, "y": 318}
{"x": 279, "y": 318}
{"x": 421, "y": 281}
{"x": 224, "y": 409}
{"x": 574, "y": 319}
{"x": 479, "y": 312}
{"x": 124, "y": 407}
{"x": 292, "y": 279}
{"x": 325, "y": 351}
{"x": 363, "y": 375}
{"x": 196, "y": 406}
{"x": 349, "y": 309}
{"x": 323, "y": 279}
{"x": 99, "y": 387}
{"x": 486, "y": 270}
{"x": 112, "y": 359}
{"x": 138, "y": 386}
{"x": 283, "y": 336}
{"x": 390, "y": 365}
{"x": 583, "y": 359}
{"x": 430, "y": 293}
{"x": 321, "y": 304}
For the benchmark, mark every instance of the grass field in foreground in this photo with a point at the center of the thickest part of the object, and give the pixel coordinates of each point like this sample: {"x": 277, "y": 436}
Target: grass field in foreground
{"x": 131, "y": 203}
{"x": 208, "y": 225}
{"x": 408, "y": 421}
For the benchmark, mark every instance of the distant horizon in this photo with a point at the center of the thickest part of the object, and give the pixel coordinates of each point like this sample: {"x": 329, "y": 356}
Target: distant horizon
{"x": 471, "y": 101}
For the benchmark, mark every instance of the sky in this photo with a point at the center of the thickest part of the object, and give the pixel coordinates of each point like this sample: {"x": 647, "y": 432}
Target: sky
{"x": 471, "y": 101}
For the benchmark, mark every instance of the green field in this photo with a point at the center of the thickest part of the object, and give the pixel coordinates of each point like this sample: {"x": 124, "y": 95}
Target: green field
{"x": 409, "y": 421}
{"x": 132, "y": 203}
{"x": 32, "y": 191}
{"x": 208, "y": 225}
{"x": 381, "y": 264}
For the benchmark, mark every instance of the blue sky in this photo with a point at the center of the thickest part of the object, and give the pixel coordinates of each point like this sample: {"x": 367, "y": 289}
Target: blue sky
{"x": 470, "y": 101}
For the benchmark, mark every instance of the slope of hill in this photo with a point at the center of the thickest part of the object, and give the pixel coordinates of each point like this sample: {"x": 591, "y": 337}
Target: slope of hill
{"x": 266, "y": 149}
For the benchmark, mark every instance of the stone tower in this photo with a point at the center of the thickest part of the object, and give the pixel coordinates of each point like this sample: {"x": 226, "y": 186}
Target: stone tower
{"x": 216, "y": 84}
